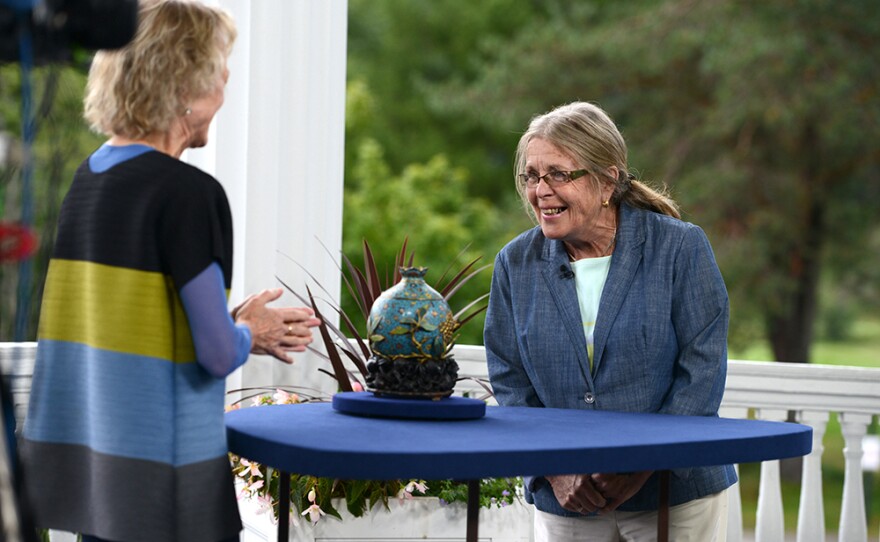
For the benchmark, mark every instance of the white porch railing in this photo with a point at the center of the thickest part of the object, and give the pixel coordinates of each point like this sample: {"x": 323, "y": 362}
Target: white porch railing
{"x": 769, "y": 390}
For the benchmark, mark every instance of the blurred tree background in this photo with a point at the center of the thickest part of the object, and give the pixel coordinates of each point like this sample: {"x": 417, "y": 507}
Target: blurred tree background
{"x": 762, "y": 117}
{"x": 61, "y": 141}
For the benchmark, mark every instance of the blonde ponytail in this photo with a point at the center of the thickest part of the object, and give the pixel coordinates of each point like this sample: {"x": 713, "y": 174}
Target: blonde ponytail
{"x": 640, "y": 195}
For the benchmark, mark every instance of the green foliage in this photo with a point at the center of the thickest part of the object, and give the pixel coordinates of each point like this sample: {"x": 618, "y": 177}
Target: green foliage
{"x": 427, "y": 203}
{"x": 762, "y": 117}
{"x": 402, "y": 49}
{"x": 412, "y": 169}
{"x": 494, "y": 492}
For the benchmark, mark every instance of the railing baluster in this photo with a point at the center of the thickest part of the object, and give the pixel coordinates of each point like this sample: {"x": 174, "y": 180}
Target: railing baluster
{"x": 734, "y": 498}
{"x": 853, "y": 522}
{"x": 811, "y": 512}
{"x": 770, "y": 520}
{"x": 734, "y": 511}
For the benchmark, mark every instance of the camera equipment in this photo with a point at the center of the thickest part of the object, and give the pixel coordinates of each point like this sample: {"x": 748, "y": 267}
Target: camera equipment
{"x": 51, "y": 29}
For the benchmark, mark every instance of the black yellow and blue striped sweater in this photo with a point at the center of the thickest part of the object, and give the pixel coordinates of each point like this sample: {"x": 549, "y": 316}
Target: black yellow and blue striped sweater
{"x": 124, "y": 437}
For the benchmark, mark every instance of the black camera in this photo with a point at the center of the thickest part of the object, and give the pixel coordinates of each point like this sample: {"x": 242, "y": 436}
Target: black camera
{"x": 53, "y": 28}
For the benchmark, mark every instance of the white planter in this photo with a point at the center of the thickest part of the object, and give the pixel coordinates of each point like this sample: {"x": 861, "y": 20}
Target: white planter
{"x": 416, "y": 519}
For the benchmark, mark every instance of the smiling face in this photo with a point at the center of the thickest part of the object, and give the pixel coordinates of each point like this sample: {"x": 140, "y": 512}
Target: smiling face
{"x": 570, "y": 212}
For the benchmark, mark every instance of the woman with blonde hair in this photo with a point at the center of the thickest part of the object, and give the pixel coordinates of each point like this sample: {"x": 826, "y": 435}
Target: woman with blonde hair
{"x": 611, "y": 303}
{"x": 124, "y": 439}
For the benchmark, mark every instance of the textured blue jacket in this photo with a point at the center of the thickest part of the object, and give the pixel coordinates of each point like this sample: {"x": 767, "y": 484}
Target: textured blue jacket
{"x": 660, "y": 337}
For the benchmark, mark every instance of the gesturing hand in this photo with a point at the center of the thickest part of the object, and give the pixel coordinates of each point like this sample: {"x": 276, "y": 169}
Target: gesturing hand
{"x": 275, "y": 331}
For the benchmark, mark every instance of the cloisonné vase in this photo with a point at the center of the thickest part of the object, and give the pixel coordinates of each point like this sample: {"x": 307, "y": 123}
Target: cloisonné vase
{"x": 410, "y": 331}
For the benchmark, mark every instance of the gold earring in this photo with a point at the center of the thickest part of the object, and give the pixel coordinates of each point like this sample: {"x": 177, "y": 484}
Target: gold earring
{"x": 187, "y": 111}
{"x": 605, "y": 203}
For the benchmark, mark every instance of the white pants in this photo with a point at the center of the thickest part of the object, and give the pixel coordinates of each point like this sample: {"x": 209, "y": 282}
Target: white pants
{"x": 701, "y": 520}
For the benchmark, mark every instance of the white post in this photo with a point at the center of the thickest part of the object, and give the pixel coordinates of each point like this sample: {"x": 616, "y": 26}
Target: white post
{"x": 770, "y": 521}
{"x": 277, "y": 147}
{"x": 853, "y": 522}
{"x": 734, "y": 496}
{"x": 811, "y": 512}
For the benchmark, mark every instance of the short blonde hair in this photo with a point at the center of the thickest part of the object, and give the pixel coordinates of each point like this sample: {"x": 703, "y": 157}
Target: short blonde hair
{"x": 587, "y": 134}
{"x": 179, "y": 50}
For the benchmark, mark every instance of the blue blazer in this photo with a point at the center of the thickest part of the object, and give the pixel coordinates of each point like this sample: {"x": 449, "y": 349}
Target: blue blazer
{"x": 660, "y": 341}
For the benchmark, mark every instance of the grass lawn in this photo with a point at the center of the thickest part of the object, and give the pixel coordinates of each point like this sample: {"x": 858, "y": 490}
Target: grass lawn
{"x": 861, "y": 349}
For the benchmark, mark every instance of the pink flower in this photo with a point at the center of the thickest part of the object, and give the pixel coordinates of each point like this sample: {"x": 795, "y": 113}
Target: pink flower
{"x": 281, "y": 397}
{"x": 357, "y": 386}
{"x": 265, "y": 504}
{"x": 249, "y": 490}
{"x": 251, "y": 469}
{"x": 314, "y": 512}
{"x": 413, "y": 485}
{"x": 419, "y": 486}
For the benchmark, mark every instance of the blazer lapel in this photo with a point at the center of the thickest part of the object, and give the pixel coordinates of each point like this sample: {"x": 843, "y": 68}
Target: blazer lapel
{"x": 624, "y": 263}
{"x": 564, "y": 293}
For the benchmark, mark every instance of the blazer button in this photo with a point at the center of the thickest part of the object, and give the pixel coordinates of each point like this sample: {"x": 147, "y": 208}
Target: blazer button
{"x": 589, "y": 398}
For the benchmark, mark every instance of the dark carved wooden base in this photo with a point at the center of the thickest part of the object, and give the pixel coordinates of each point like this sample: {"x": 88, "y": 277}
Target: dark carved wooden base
{"x": 429, "y": 378}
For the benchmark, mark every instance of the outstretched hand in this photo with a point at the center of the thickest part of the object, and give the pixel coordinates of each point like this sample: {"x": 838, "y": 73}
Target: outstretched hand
{"x": 275, "y": 331}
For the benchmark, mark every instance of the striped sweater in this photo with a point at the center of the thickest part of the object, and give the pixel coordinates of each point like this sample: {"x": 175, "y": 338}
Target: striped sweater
{"x": 124, "y": 437}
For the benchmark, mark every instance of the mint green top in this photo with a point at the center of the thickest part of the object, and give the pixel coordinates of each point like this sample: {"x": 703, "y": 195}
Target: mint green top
{"x": 590, "y": 275}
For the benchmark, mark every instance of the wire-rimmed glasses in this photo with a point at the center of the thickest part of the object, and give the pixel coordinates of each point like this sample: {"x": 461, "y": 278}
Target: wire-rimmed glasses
{"x": 552, "y": 178}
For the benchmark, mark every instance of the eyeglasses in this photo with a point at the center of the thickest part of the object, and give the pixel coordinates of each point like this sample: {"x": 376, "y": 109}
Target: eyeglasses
{"x": 552, "y": 178}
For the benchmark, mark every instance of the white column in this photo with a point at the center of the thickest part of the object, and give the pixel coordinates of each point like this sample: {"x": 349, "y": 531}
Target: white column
{"x": 853, "y": 522}
{"x": 811, "y": 512}
{"x": 277, "y": 147}
{"x": 770, "y": 525}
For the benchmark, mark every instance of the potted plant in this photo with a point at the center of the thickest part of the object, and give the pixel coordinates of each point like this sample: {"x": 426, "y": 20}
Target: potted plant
{"x": 348, "y": 354}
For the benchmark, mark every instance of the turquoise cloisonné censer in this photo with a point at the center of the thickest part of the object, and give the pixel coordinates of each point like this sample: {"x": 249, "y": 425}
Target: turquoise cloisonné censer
{"x": 411, "y": 330}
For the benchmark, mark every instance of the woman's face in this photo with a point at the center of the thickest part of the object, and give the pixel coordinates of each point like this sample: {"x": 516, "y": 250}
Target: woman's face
{"x": 569, "y": 212}
{"x": 203, "y": 111}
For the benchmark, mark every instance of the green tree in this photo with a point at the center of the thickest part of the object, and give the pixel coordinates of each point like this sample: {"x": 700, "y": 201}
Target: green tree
{"x": 764, "y": 118}
{"x": 401, "y": 50}
{"x": 428, "y": 205}
{"x": 415, "y": 169}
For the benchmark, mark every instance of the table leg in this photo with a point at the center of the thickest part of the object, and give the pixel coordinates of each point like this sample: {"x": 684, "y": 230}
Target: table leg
{"x": 283, "y": 506}
{"x": 473, "y": 510}
{"x": 663, "y": 508}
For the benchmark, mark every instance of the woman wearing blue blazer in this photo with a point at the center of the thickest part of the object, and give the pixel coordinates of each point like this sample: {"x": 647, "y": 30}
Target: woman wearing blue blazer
{"x": 611, "y": 302}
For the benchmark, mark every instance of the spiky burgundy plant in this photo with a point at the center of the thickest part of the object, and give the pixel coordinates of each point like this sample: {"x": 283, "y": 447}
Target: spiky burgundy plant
{"x": 365, "y": 286}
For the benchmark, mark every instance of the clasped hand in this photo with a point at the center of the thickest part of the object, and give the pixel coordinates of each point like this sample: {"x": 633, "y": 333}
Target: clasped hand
{"x": 275, "y": 331}
{"x": 602, "y": 493}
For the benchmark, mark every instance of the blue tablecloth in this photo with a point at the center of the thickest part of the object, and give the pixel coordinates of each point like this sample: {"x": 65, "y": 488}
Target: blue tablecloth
{"x": 314, "y": 439}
